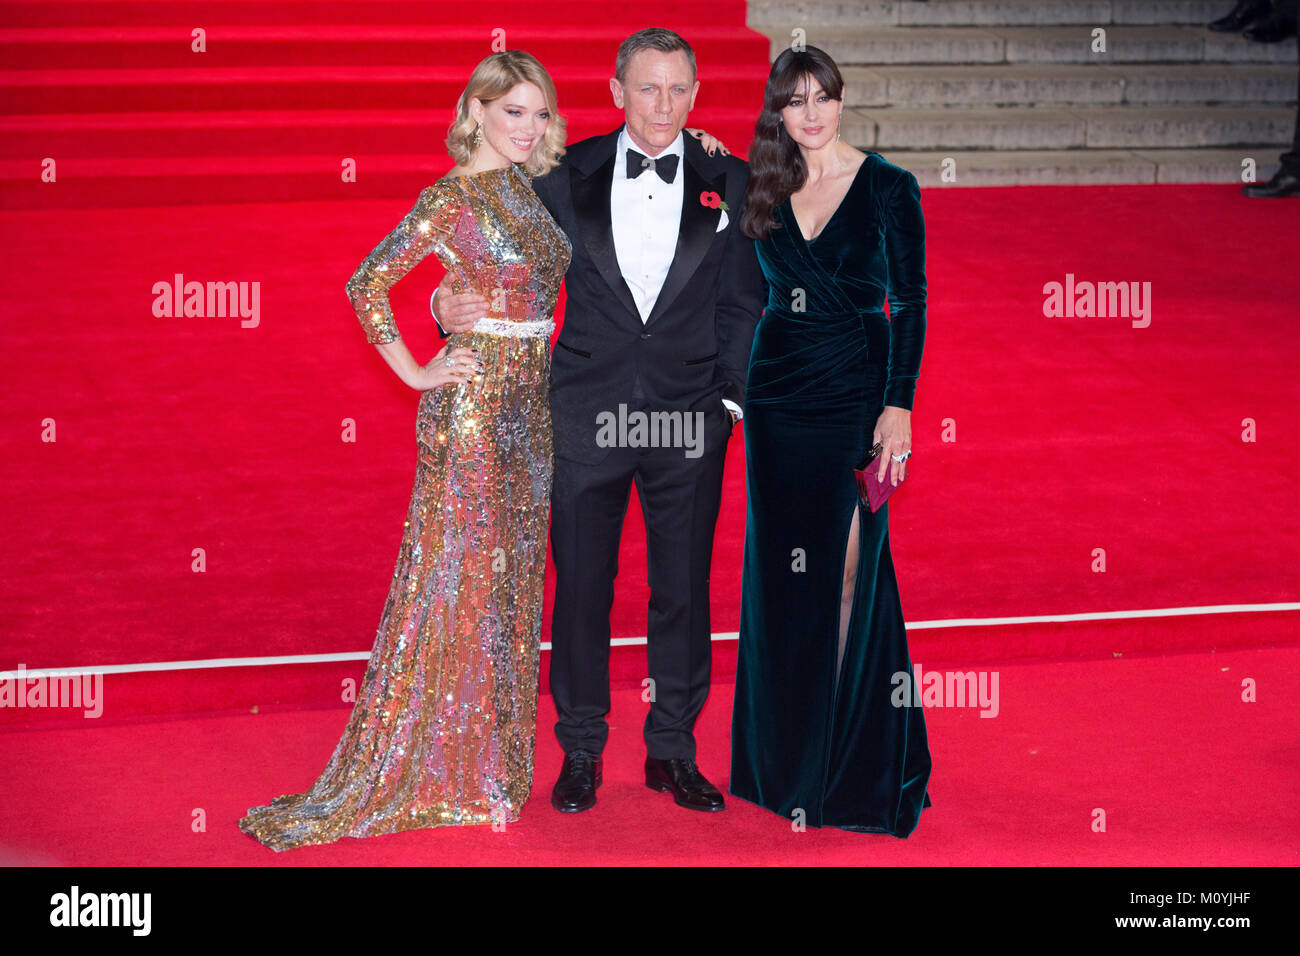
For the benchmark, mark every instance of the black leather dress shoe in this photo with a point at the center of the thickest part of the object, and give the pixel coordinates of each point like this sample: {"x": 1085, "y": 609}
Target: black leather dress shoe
{"x": 575, "y": 791}
{"x": 682, "y": 778}
{"x": 1282, "y": 184}
{"x": 1242, "y": 15}
{"x": 1272, "y": 30}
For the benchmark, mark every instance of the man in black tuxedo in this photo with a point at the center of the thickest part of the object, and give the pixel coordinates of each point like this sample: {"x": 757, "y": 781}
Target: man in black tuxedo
{"x": 663, "y": 293}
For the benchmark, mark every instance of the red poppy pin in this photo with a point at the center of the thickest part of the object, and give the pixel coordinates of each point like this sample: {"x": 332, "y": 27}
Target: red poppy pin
{"x": 712, "y": 201}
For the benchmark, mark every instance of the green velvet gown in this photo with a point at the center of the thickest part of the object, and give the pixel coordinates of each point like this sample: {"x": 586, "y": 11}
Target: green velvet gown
{"x": 804, "y": 737}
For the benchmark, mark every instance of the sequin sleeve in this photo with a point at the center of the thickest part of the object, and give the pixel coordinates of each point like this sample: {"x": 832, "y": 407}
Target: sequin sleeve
{"x": 421, "y": 231}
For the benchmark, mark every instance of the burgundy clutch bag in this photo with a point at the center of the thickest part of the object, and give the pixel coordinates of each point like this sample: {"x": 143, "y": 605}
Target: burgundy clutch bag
{"x": 872, "y": 492}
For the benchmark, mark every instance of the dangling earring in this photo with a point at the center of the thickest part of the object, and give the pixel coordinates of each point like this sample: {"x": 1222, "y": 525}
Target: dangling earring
{"x": 478, "y": 136}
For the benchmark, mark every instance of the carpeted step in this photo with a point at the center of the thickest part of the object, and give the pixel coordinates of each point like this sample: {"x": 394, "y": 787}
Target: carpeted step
{"x": 190, "y": 13}
{"x": 284, "y": 132}
{"x": 559, "y": 46}
{"x": 315, "y": 88}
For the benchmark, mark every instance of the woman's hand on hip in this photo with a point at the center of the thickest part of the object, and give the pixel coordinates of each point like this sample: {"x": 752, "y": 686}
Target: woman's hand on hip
{"x": 464, "y": 367}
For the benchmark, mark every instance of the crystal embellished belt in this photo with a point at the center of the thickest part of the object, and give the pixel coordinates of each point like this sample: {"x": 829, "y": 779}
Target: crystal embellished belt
{"x": 514, "y": 329}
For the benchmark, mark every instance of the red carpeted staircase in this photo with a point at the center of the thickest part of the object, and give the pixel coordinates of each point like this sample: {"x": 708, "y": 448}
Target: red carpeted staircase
{"x": 281, "y": 93}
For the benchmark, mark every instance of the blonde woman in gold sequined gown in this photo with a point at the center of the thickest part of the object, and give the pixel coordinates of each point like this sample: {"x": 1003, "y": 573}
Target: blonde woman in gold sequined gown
{"x": 443, "y": 729}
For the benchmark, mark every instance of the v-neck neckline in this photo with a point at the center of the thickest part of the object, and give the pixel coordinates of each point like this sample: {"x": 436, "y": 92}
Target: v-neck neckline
{"x": 831, "y": 218}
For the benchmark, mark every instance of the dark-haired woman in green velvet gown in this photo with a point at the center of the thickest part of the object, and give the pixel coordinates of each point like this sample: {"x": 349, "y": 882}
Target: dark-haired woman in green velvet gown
{"x": 815, "y": 733}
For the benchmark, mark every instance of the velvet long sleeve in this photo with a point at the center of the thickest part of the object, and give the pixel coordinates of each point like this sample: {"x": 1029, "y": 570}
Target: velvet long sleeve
{"x": 905, "y": 251}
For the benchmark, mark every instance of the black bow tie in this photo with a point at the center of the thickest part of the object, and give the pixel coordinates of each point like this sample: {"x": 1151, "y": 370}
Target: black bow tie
{"x": 665, "y": 166}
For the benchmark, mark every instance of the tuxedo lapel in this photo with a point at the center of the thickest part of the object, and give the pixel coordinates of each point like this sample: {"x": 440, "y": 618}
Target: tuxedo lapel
{"x": 696, "y": 232}
{"x": 591, "y": 197}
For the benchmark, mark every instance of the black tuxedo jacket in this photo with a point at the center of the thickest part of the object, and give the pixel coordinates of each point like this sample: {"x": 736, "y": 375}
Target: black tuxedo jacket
{"x": 693, "y": 351}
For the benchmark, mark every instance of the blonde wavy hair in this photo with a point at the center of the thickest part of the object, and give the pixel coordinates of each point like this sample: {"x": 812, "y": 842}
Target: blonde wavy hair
{"x": 495, "y": 76}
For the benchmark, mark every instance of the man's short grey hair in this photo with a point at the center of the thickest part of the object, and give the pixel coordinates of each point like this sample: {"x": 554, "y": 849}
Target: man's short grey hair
{"x": 651, "y": 38}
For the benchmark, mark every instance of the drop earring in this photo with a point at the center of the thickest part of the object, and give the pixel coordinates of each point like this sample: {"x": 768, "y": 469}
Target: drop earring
{"x": 478, "y": 136}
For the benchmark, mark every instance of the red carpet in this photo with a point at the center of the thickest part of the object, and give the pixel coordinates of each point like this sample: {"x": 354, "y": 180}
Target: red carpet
{"x": 1186, "y": 777}
{"x": 1072, "y": 434}
{"x": 283, "y": 91}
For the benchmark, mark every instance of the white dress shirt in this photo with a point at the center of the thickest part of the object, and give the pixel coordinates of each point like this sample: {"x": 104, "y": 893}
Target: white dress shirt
{"x": 646, "y": 215}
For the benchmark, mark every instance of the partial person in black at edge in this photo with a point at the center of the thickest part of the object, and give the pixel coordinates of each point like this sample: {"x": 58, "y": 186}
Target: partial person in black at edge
{"x": 1264, "y": 21}
{"x": 1269, "y": 22}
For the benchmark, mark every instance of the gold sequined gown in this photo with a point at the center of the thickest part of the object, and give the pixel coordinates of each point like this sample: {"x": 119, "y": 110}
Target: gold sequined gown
{"x": 442, "y": 732}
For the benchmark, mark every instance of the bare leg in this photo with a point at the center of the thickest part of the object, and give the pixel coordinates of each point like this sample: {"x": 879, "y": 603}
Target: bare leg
{"x": 847, "y": 588}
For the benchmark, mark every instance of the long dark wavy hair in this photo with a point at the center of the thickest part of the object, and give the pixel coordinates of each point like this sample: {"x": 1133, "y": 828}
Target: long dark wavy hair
{"x": 776, "y": 167}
